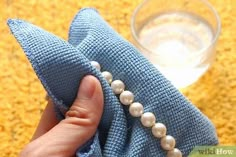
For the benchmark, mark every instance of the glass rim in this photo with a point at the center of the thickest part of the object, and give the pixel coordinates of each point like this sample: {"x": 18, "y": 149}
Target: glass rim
{"x": 205, "y": 2}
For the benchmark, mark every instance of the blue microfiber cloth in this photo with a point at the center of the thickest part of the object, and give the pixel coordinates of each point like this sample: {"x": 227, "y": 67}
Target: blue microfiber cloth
{"x": 60, "y": 65}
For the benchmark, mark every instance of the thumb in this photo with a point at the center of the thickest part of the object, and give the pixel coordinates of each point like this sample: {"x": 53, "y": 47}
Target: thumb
{"x": 84, "y": 115}
{"x": 80, "y": 123}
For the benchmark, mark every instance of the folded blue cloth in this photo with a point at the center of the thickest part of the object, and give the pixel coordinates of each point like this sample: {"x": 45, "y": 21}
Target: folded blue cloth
{"x": 60, "y": 65}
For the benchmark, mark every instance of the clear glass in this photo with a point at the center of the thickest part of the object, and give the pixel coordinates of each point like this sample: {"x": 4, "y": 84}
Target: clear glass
{"x": 177, "y": 36}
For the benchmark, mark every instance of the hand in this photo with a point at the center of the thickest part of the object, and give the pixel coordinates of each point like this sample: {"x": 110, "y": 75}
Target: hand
{"x": 62, "y": 139}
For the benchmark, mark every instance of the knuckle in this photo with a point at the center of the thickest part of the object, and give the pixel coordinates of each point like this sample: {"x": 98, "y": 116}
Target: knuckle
{"x": 81, "y": 122}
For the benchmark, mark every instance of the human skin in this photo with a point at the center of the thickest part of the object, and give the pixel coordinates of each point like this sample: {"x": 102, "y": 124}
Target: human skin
{"x": 62, "y": 139}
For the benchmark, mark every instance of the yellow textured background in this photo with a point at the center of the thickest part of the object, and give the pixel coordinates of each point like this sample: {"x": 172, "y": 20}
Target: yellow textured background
{"x": 22, "y": 95}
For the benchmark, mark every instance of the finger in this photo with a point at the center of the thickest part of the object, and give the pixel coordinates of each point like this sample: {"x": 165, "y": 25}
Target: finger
{"x": 80, "y": 123}
{"x": 85, "y": 113}
{"x": 47, "y": 121}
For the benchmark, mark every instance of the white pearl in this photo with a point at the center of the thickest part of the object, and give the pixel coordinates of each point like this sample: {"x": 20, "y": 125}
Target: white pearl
{"x": 96, "y": 65}
{"x": 117, "y": 86}
{"x": 168, "y": 142}
{"x": 148, "y": 119}
{"x": 136, "y": 109}
{"x": 108, "y": 76}
{"x": 126, "y": 97}
{"x": 174, "y": 153}
{"x": 159, "y": 130}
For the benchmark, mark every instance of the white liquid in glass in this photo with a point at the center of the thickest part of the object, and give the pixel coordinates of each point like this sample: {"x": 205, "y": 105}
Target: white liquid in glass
{"x": 176, "y": 39}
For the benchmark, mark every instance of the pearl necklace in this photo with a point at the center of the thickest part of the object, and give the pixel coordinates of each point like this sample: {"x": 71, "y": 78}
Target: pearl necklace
{"x": 136, "y": 109}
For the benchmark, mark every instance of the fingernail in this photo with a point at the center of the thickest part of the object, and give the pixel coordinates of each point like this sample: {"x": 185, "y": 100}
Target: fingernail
{"x": 87, "y": 87}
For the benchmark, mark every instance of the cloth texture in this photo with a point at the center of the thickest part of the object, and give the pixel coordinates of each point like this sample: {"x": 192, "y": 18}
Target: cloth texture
{"x": 60, "y": 65}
